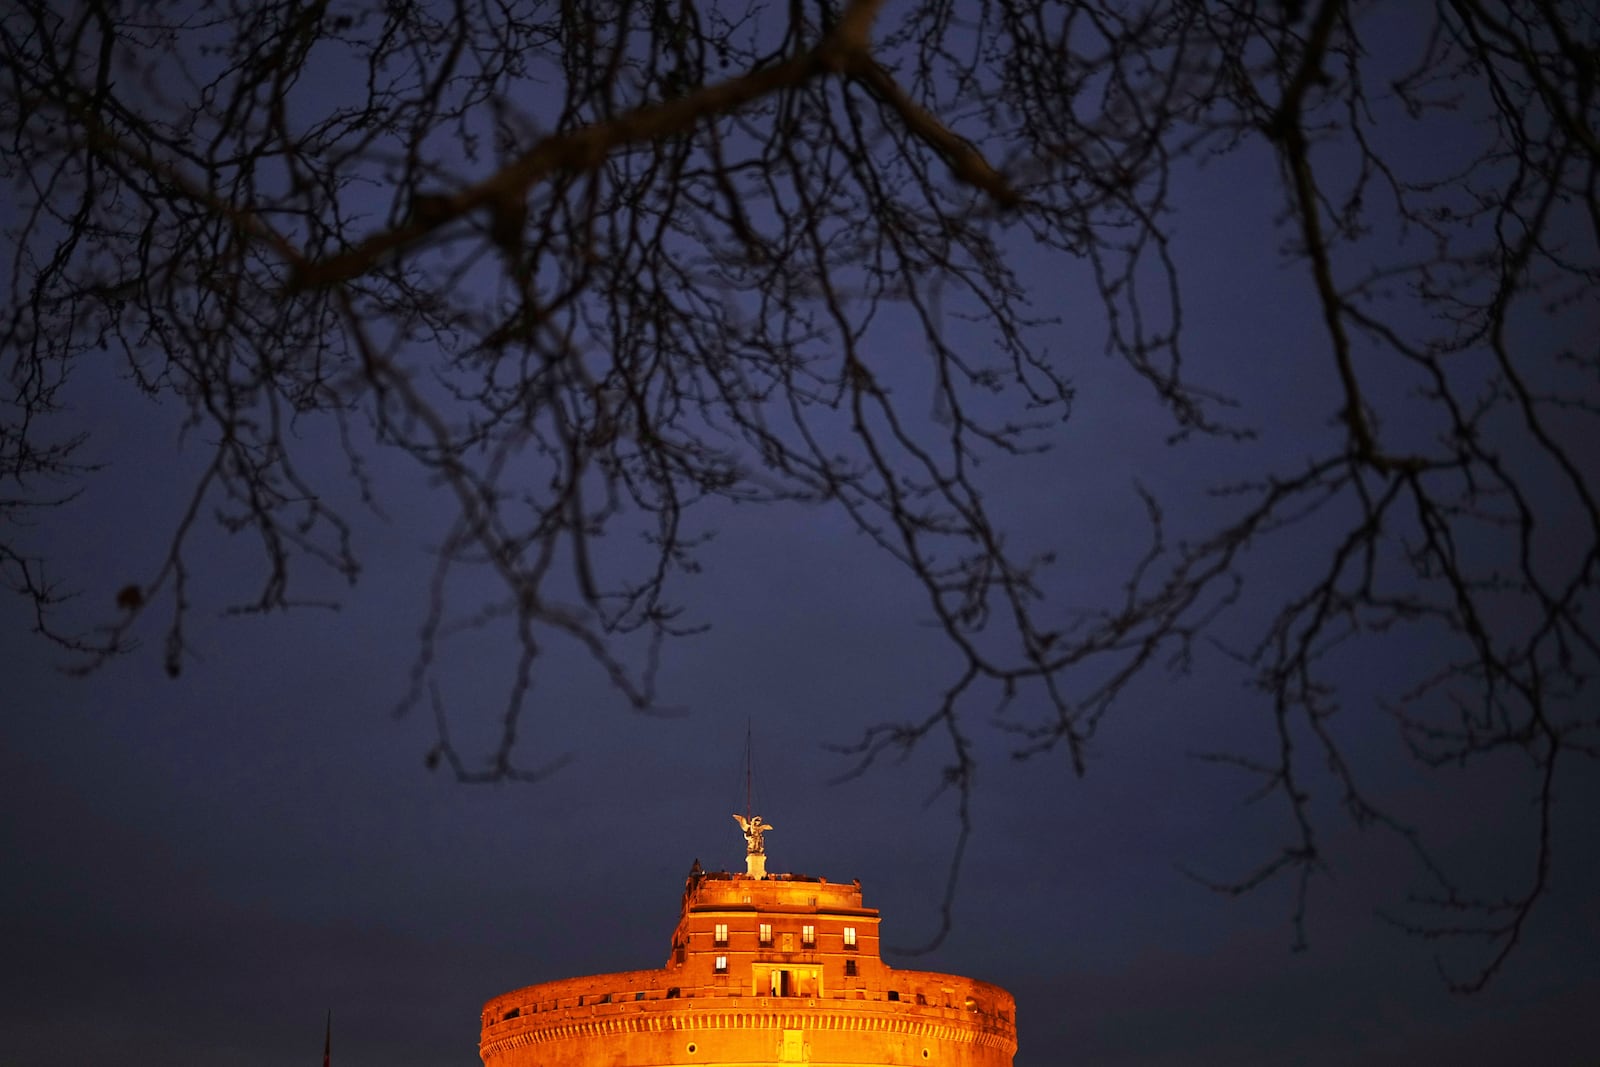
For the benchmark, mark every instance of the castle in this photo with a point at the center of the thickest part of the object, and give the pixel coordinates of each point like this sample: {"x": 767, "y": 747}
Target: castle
{"x": 764, "y": 968}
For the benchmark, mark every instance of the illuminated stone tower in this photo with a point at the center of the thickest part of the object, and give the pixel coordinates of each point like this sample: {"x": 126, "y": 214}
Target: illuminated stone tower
{"x": 764, "y": 968}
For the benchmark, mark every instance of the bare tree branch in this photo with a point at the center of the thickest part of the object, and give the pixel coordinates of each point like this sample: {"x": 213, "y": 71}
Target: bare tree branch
{"x": 595, "y": 270}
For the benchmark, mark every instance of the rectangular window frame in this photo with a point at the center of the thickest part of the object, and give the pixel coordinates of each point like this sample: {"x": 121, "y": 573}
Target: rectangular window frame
{"x": 719, "y": 934}
{"x": 849, "y": 937}
{"x": 850, "y": 968}
{"x": 808, "y": 936}
{"x": 764, "y": 931}
{"x": 721, "y": 965}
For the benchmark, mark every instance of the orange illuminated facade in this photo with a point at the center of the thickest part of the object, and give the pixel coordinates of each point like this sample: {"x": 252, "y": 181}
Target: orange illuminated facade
{"x": 780, "y": 968}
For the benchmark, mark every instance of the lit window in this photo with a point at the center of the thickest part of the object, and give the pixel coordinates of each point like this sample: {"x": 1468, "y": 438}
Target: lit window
{"x": 722, "y": 965}
{"x": 808, "y": 935}
{"x": 766, "y": 933}
{"x": 722, "y": 933}
{"x": 849, "y": 968}
{"x": 849, "y": 937}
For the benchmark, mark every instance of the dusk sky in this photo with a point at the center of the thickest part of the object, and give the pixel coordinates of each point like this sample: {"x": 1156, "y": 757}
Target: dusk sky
{"x": 198, "y": 869}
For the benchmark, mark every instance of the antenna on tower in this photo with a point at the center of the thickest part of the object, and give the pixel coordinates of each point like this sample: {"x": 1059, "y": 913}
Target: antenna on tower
{"x": 755, "y": 850}
{"x": 749, "y": 767}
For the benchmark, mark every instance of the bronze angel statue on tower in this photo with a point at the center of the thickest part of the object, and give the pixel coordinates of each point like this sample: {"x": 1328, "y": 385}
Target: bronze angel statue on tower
{"x": 753, "y": 828}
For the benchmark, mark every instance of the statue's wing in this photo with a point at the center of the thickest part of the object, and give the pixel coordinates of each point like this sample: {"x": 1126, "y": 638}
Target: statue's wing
{"x": 743, "y": 824}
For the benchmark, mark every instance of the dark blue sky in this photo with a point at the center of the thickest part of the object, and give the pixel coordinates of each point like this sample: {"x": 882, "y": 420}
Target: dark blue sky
{"x": 198, "y": 869}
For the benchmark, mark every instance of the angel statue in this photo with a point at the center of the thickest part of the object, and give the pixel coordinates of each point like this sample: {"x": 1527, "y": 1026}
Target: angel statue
{"x": 753, "y": 829}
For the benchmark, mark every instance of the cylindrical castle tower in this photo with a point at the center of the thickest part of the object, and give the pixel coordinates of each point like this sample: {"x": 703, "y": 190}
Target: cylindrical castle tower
{"x": 764, "y": 968}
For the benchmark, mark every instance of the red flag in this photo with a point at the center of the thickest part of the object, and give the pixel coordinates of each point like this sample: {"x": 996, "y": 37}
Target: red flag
{"x": 327, "y": 1039}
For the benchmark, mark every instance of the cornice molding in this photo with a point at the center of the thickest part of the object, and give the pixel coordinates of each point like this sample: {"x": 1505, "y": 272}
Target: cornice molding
{"x": 690, "y": 1019}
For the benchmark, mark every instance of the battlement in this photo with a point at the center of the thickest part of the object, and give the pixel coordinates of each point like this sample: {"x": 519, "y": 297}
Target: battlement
{"x": 915, "y": 994}
{"x": 720, "y": 888}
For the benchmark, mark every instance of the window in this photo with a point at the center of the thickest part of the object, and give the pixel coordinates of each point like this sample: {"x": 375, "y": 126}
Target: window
{"x": 849, "y": 968}
{"x": 722, "y": 933}
{"x": 849, "y": 937}
{"x": 722, "y": 965}
{"x": 766, "y": 933}
{"x": 808, "y": 935}
{"x": 894, "y": 994}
